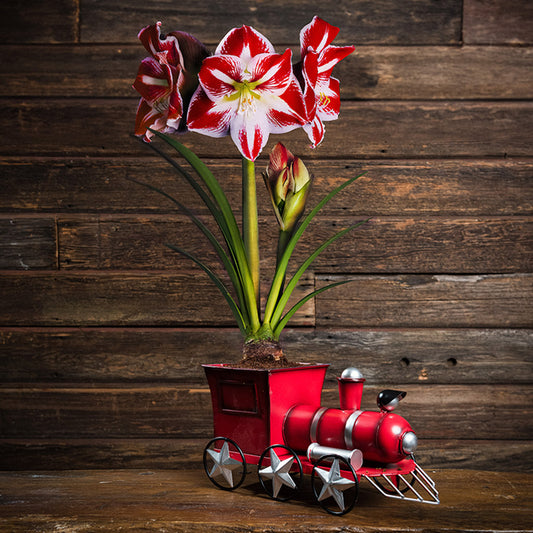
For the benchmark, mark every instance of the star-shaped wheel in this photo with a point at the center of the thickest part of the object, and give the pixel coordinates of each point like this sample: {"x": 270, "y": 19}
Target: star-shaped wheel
{"x": 224, "y": 464}
{"x": 278, "y": 472}
{"x": 333, "y": 484}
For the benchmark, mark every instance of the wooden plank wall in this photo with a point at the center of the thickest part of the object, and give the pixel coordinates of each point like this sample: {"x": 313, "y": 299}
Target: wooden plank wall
{"x": 103, "y": 329}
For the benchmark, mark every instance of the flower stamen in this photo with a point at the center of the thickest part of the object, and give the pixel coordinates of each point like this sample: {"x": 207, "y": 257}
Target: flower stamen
{"x": 323, "y": 100}
{"x": 246, "y": 94}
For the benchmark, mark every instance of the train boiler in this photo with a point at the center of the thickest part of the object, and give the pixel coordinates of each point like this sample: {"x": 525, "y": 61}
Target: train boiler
{"x": 274, "y": 419}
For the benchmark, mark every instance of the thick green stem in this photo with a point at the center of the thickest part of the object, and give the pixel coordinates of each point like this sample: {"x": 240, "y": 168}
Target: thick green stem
{"x": 283, "y": 240}
{"x": 250, "y": 226}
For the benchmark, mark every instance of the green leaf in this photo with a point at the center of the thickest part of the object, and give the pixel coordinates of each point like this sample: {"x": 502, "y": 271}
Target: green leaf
{"x": 220, "y": 285}
{"x": 283, "y": 322}
{"x": 281, "y": 269}
{"x": 226, "y": 260}
{"x": 192, "y": 182}
{"x": 209, "y": 180}
{"x": 223, "y": 214}
{"x": 209, "y": 202}
{"x": 305, "y": 265}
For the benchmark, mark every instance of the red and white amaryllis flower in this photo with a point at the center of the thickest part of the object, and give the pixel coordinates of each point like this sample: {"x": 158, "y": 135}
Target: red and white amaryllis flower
{"x": 322, "y": 92}
{"x": 167, "y": 79}
{"x": 248, "y": 91}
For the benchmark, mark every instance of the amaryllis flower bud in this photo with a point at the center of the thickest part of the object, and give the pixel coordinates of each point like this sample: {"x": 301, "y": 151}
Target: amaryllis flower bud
{"x": 288, "y": 181}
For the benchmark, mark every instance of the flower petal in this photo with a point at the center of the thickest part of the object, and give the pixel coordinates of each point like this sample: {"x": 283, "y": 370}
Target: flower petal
{"x": 175, "y": 110}
{"x": 154, "y": 81}
{"x": 218, "y": 75}
{"x": 244, "y": 42}
{"x": 146, "y": 118}
{"x": 285, "y": 112}
{"x": 317, "y": 35}
{"x": 164, "y": 50}
{"x": 330, "y": 56}
{"x": 250, "y": 134}
{"x": 310, "y": 76}
{"x": 149, "y": 37}
{"x": 273, "y": 72}
{"x": 208, "y": 117}
{"x": 315, "y": 131}
{"x": 329, "y": 100}
{"x": 193, "y": 51}
{"x": 192, "y": 54}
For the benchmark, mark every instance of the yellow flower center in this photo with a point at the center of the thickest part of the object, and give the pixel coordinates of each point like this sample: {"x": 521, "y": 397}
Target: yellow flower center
{"x": 323, "y": 100}
{"x": 246, "y": 94}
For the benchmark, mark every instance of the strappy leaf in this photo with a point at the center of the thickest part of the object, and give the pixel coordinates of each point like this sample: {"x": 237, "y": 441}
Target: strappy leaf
{"x": 281, "y": 269}
{"x": 220, "y": 285}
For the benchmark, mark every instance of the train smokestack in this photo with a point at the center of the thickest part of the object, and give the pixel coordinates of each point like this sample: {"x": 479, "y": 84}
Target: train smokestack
{"x": 351, "y": 389}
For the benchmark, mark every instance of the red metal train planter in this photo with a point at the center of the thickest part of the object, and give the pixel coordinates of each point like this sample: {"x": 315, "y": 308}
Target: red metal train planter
{"x": 274, "y": 419}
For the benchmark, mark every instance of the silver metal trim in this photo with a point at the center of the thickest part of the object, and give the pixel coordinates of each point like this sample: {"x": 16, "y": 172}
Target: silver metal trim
{"x": 348, "y": 429}
{"x": 314, "y": 423}
{"x": 427, "y": 487}
{"x": 409, "y": 442}
{"x": 315, "y": 451}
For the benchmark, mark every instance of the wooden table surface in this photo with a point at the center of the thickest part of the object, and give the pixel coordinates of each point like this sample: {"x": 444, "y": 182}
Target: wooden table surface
{"x": 171, "y": 500}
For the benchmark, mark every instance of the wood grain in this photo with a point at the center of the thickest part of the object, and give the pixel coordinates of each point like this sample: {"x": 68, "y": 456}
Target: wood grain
{"x": 384, "y": 356}
{"x": 363, "y": 21}
{"x": 393, "y": 188}
{"x": 73, "y": 410}
{"x": 371, "y": 73}
{"x": 34, "y": 21}
{"x": 429, "y": 245}
{"x": 434, "y": 73}
{"x": 427, "y": 301}
{"x": 470, "y": 245}
{"x": 28, "y": 243}
{"x": 145, "y": 299}
{"x": 497, "y": 21}
{"x": 367, "y": 130}
{"x": 121, "y": 299}
{"x": 186, "y": 501}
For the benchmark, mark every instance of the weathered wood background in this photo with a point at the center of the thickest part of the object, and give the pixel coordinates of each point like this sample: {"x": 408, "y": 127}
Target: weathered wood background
{"x": 103, "y": 329}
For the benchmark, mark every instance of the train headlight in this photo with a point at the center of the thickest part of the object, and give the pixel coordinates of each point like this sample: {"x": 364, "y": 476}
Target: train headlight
{"x": 409, "y": 443}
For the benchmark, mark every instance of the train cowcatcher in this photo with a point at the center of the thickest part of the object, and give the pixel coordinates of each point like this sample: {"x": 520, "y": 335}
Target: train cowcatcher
{"x": 273, "y": 419}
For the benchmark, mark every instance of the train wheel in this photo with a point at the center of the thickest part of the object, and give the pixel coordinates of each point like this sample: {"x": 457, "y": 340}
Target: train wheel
{"x": 280, "y": 472}
{"x": 224, "y": 463}
{"x": 329, "y": 484}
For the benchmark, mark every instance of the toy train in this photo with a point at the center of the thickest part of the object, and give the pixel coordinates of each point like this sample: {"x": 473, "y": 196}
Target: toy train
{"x": 274, "y": 419}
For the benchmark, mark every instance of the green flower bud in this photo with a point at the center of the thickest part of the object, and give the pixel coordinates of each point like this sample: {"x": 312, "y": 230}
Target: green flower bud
{"x": 287, "y": 180}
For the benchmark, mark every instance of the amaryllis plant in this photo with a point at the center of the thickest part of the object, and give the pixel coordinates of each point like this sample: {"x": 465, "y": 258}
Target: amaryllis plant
{"x": 247, "y": 91}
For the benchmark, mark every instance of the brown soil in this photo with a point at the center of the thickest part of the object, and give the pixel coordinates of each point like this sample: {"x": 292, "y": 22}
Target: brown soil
{"x": 263, "y": 354}
{"x": 265, "y": 363}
